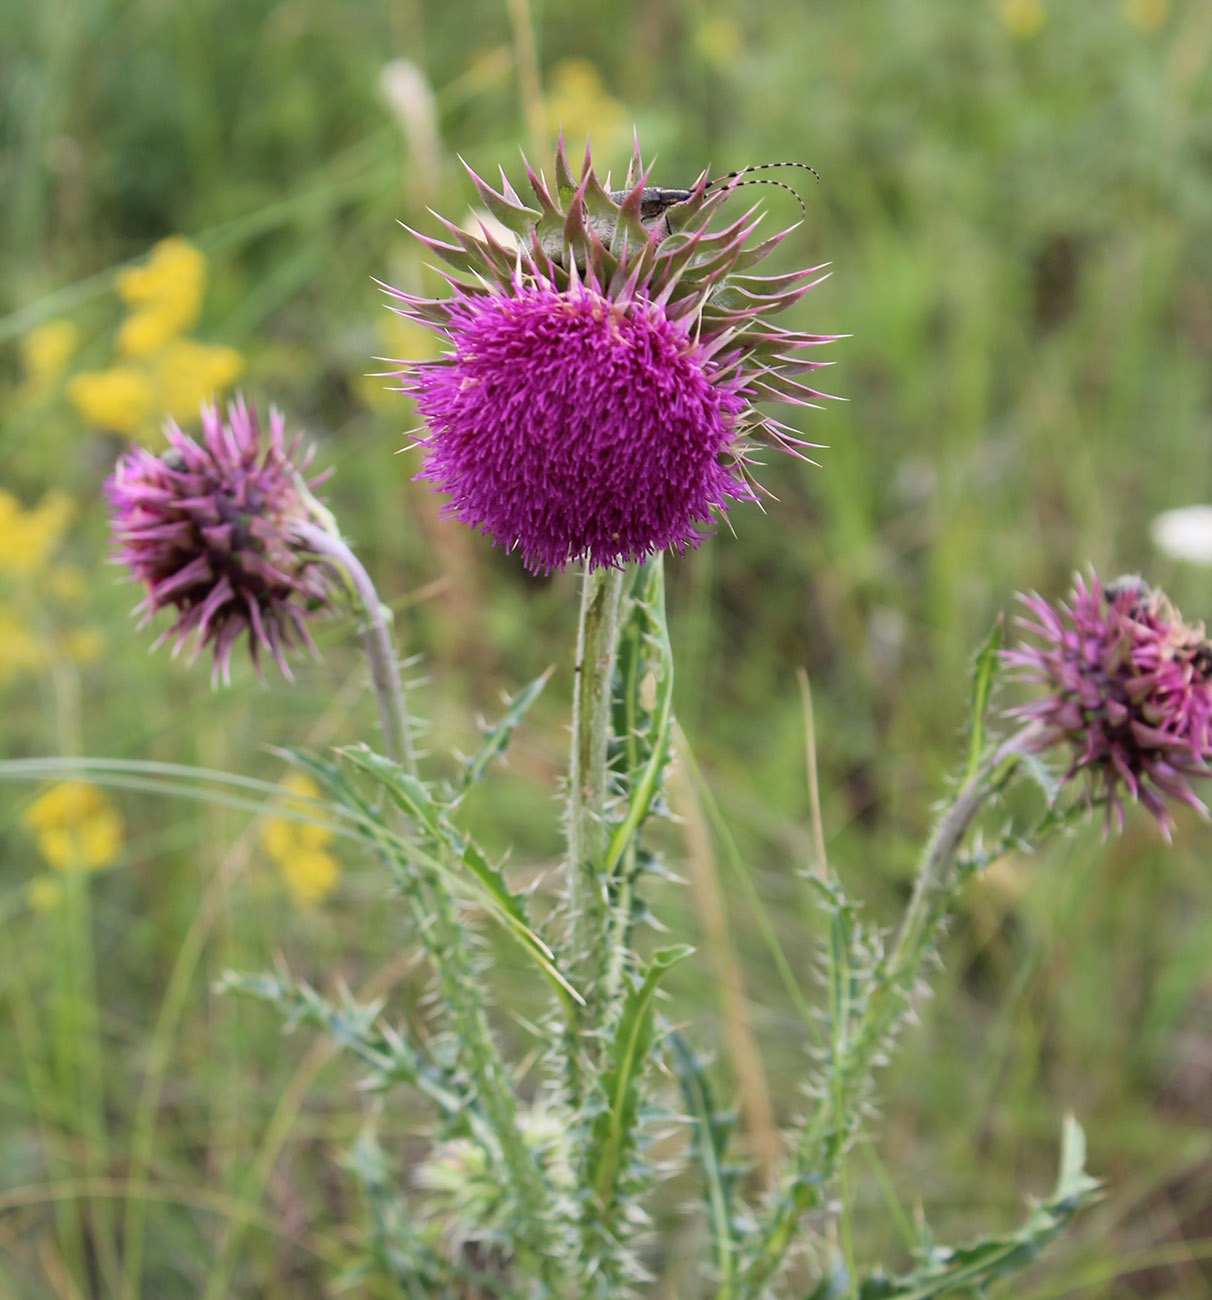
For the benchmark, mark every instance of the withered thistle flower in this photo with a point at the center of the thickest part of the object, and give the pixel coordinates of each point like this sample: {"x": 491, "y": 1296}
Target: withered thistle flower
{"x": 1129, "y": 690}
{"x": 209, "y": 528}
{"x": 597, "y": 397}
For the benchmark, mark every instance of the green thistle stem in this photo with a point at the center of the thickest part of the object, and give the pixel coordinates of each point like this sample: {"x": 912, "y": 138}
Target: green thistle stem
{"x": 936, "y": 880}
{"x": 438, "y": 924}
{"x": 587, "y": 883}
{"x": 585, "y": 947}
{"x": 620, "y": 861}
{"x": 823, "y": 1143}
{"x": 376, "y": 640}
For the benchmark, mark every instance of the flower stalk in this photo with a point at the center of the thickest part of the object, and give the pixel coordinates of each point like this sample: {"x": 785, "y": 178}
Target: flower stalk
{"x": 933, "y": 889}
{"x": 587, "y": 886}
{"x": 377, "y": 642}
{"x": 861, "y": 1032}
{"x": 643, "y": 772}
{"x": 437, "y": 922}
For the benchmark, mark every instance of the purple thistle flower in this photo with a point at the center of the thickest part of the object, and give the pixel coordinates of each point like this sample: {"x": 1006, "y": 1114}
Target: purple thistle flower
{"x": 597, "y": 397}
{"x": 209, "y": 529}
{"x": 1129, "y": 690}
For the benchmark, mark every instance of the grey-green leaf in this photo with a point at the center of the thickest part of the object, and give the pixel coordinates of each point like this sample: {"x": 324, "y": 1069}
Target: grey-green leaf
{"x": 449, "y": 848}
{"x": 973, "y": 1267}
{"x": 497, "y": 735}
{"x": 614, "y": 1128}
{"x": 984, "y": 672}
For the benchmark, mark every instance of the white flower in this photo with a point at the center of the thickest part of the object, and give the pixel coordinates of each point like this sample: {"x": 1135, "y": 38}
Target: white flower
{"x": 1185, "y": 534}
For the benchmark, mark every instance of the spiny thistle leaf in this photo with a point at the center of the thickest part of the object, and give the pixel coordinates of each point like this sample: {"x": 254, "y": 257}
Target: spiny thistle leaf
{"x": 498, "y": 734}
{"x": 449, "y": 847}
{"x": 328, "y": 775}
{"x": 975, "y": 1266}
{"x": 711, "y": 1131}
{"x": 984, "y": 673}
{"x": 614, "y": 1128}
{"x": 352, "y": 1026}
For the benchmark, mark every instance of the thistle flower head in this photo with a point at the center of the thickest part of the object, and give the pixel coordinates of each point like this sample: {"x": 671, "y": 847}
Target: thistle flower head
{"x": 597, "y": 396}
{"x": 209, "y": 529}
{"x": 1128, "y": 688}
{"x": 469, "y": 1203}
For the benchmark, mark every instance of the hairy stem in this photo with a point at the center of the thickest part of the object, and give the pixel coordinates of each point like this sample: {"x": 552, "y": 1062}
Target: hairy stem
{"x": 587, "y": 884}
{"x": 643, "y": 779}
{"x": 822, "y": 1145}
{"x": 935, "y": 876}
{"x": 439, "y": 927}
{"x": 376, "y": 640}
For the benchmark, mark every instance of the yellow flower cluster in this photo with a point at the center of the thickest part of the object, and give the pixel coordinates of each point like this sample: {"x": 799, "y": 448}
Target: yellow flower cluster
{"x": 300, "y": 848}
{"x": 31, "y": 584}
{"x": 164, "y": 295}
{"x": 27, "y": 537}
{"x": 45, "y": 352}
{"x": 1147, "y": 15}
{"x": 400, "y": 340}
{"x": 1022, "y": 18}
{"x": 158, "y": 372}
{"x": 579, "y": 103}
{"x": 75, "y": 827}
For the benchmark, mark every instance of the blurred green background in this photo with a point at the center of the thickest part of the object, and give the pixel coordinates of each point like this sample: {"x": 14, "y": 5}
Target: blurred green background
{"x": 1017, "y": 201}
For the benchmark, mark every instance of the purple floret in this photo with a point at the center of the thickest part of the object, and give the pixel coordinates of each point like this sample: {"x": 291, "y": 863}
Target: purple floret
{"x": 1129, "y": 691}
{"x": 570, "y": 425}
{"x": 597, "y": 400}
{"x": 208, "y": 528}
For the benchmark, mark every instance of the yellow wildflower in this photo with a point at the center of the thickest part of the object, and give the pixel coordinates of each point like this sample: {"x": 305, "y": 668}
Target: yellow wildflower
{"x": 45, "y": 893}
{"x": 84, "y": 644}
{"x": 1022, "y": 18}
{"x": 119, "y": 399}
{"x": 27, "y": 537}
{"x": 33, "y": 635}
{"x": 75, "y": 826}
{"x": 300, "y": 847}
{"x": 159, "y": 372}
{"x": 187, "y": 373}
{"x": 718, "y": 39}
{"x": 19, "y": 651}
{"x": 45, "y": 352}
{"x": 170, "y": 282}
{"x": 1147, "y": 15}
{"x": 310, "y": 876}
{"x": 147, "y": 331}
{"x": 579, "y": 103}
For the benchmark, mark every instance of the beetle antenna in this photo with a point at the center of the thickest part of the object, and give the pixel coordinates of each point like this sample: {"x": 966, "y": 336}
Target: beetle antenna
{"x": 765, "y": 180}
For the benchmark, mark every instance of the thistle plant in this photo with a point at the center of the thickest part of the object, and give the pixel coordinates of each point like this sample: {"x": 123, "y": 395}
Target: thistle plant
{"x": 599, "y": 404}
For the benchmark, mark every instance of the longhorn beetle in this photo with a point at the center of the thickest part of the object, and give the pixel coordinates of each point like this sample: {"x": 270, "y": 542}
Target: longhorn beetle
{"x": 655, "y": 200}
